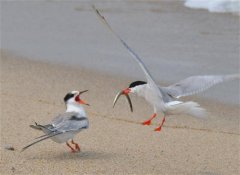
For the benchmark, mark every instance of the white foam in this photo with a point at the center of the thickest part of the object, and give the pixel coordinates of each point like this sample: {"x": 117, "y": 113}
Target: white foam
{"x": 232, "y": 6}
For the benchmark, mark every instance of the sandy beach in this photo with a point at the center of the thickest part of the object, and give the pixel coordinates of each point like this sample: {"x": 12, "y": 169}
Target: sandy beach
{"x": 116, "y": 142}
{"x": 50, "y": 48}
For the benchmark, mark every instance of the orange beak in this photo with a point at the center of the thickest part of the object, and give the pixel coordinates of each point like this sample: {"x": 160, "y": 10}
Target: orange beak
{"x": 80, "y": 101}
{"x": 126, "y": 91}
{"x": 83, "y": 102}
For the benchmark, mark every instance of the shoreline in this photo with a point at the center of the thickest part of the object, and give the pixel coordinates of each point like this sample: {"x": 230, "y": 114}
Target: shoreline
{"x": 173, "y": 41}
{"x": 201, "y": 96}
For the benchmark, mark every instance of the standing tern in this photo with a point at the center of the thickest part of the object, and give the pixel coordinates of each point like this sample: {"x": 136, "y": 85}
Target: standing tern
{"x": 164, "y": 99}
{"x": 66, "y": 125}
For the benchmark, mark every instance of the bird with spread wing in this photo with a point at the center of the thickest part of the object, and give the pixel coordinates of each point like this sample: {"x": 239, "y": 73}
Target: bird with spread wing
{"x": 165, "y": 99}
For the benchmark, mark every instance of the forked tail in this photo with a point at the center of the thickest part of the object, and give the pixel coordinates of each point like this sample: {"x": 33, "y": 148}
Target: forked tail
{"x": 189, "y": 108}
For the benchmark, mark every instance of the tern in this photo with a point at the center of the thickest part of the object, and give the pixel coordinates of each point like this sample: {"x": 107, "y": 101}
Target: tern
{"x": 66, "y": 125}
{"x": 165, "y": 99}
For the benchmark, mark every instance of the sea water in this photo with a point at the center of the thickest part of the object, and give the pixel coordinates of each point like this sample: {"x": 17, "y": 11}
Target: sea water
{"x": 173, "y": 42}
{"x": 232, "y": 6}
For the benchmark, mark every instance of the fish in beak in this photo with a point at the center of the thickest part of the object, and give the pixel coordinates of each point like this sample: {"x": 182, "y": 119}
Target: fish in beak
{"x": 124, "y": 92}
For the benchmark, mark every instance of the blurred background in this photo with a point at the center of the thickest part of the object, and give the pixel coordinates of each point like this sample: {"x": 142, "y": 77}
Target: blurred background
{"x": 175, "y": 39}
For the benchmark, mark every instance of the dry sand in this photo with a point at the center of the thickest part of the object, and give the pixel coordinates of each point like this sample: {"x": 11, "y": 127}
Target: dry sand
{"x": 116, "y": 142}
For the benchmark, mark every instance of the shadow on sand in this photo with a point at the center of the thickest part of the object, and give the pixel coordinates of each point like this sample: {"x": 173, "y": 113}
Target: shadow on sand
{"x": 85, "y": 155}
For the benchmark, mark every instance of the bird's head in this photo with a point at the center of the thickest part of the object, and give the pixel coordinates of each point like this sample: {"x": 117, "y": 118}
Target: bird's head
{"x": 134, "y": 87}
{"x": 73, "y": 98}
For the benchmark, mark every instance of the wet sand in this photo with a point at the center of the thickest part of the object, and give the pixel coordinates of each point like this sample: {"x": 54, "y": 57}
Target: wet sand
{"x": 116, "y": 142}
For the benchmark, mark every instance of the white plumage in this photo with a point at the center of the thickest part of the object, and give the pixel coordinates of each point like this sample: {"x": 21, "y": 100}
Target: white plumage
{"x": 164, "y": 99}
{"x": 66, "y": 125}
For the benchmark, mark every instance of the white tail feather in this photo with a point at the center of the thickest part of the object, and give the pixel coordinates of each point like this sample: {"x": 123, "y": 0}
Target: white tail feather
{"x": 189, "y": 108}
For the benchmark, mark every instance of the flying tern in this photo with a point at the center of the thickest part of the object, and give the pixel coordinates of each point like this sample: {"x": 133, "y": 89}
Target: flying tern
{"x": 165, "y": 99}
{"x": 66, "y": 125}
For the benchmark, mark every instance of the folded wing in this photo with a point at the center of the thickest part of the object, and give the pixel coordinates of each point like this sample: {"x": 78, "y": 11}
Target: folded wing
{"x": 70, "y": 121}
{"x": 66, "y": 122}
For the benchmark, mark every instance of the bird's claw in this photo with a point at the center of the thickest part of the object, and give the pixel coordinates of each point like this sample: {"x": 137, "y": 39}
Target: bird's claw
{"x": 148, "y": 122}
{"x": 158, "y": 129}
{"x": 77, "y": 148}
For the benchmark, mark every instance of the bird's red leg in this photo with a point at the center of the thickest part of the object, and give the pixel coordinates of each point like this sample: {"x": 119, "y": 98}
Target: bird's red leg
{"x": 160, "y": 127}
{"x": 148, "y": 122}
{"x": 77, "y": 147}
{"x": 72, "y": 149}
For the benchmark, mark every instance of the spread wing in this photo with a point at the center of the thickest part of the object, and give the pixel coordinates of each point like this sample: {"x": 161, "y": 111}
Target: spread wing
{"x": 196, "y": 84}
{"x": 149, "y": 78}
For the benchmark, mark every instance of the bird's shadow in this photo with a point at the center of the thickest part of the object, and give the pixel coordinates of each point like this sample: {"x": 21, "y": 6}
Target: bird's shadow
{"x": 84, "y": 155}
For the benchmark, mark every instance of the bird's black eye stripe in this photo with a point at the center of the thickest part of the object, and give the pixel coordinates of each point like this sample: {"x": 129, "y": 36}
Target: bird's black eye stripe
{"x": 68, "y": 96}
{"x": 137, "y": 83}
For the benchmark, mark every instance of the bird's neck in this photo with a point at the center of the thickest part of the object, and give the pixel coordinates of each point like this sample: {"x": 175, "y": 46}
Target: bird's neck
{"x": 139, "y": 90}
{"x": 76, "y": 108}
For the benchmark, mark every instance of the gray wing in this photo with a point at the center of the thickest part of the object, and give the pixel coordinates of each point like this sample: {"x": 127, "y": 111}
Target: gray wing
{"x": 70, "y": 121}
{"x": 195, "y": 84}
{"x": 47, "y": 129}
{"x": 135, "y": 56}
{"x": 42, "y": 127}
{"x": 149, "y": 78}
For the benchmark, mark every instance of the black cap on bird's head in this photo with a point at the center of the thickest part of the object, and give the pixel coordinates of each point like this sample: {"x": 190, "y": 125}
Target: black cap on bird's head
{"x": 137, "y": 83}
{"x": 68, "y": 96}
{"x": 127, "y": 91}
{"x": 74, "y": 96}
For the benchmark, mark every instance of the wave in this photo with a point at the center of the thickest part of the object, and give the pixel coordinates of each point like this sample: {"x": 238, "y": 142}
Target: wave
{"x": 232, "y": 6}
